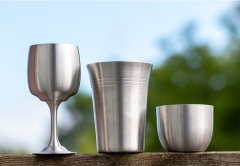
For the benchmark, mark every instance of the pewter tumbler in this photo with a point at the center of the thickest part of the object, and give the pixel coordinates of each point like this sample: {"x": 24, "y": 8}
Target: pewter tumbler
{"x": 53, "y": 76}
{"x": 185, "y": 127}
{"x": 120, "y": 99}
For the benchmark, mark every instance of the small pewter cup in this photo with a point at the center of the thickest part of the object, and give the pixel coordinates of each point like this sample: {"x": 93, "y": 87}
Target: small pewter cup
{"x": 185, "y": 127}
{"x": 119, "y": 93}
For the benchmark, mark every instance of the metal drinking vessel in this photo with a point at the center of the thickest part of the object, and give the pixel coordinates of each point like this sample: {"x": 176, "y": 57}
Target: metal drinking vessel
{"x": 185, "y": 127}
{"x": 53, "y": 76}
{"x": 119, "y": 93}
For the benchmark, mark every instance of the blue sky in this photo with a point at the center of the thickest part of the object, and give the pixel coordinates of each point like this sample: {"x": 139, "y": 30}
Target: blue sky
{"x": 103, "y": 31}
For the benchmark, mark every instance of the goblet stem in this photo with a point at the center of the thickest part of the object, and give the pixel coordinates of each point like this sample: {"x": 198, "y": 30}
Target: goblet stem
{"x": 54, "y": 146}
{"x": 53, "y": 105}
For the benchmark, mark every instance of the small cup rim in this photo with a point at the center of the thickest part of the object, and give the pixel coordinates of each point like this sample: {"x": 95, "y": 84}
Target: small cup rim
{"x": 119, "y": 62}
{"x": 169, "y": 105}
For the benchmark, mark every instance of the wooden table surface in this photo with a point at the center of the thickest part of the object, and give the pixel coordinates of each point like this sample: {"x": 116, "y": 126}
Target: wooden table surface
{"x": 166, "y": 158}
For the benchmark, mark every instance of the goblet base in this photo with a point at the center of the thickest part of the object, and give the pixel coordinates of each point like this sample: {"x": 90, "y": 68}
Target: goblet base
{"x": 54, "y": 150}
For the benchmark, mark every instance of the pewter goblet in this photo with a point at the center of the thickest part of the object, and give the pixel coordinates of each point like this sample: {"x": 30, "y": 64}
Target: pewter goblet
{"x": 53, "y": 76}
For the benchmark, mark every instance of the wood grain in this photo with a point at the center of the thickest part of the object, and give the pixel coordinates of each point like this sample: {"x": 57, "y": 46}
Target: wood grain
{"x": 202, "y": 158}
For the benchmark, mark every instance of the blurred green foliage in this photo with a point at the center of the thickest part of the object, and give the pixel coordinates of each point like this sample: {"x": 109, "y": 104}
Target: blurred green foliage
{"x": 6, "y": 150}
{"x": 193, "y": 75}
{"x": 81, "y": 136}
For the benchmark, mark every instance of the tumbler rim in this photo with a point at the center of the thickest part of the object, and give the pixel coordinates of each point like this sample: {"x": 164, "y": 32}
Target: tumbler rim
{"x": 39, "y": 44}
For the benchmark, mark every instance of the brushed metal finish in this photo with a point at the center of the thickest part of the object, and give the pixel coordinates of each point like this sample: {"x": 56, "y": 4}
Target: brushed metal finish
{"x": 53, "y": 76}
{"x": 119, "y": 93}
{"x": 185, "y": 127}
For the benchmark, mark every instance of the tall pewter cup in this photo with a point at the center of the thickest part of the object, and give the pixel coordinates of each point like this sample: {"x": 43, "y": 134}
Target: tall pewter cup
{"x": 120, "y": 92}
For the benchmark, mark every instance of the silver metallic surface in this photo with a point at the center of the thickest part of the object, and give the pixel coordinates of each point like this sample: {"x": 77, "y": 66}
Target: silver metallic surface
{"x": 185, "y": 127}
{"x": 120, "y": 91}
{"x": 53, "y": 76}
